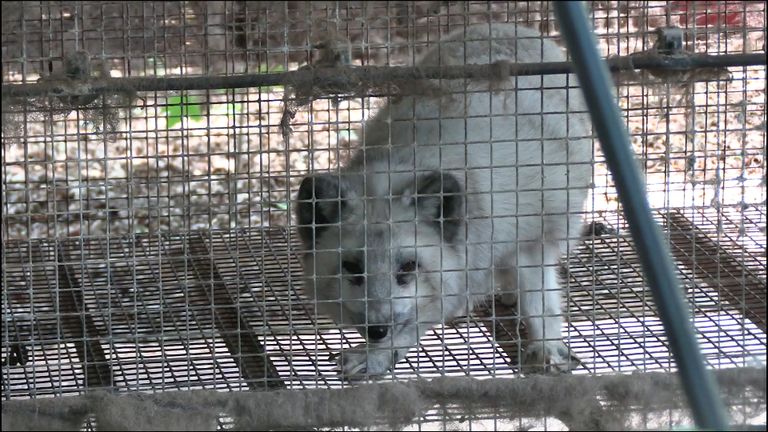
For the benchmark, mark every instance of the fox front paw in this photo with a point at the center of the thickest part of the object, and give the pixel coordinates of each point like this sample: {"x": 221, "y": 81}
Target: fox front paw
{"x": 366, "y": 360}
{"x": 549, "y": 357}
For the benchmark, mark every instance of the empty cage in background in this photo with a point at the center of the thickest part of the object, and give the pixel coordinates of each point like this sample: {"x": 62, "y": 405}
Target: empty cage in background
{"x": 159, "y": 240}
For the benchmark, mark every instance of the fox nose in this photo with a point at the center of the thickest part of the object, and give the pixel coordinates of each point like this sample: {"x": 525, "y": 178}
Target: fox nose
{"x": 377, "y": 332}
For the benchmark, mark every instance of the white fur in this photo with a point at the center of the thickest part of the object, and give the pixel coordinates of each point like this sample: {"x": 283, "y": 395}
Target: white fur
{"x": 525, "y": 172}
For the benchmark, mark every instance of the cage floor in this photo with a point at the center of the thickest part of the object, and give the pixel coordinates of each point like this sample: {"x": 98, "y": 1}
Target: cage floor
{"x": 223, "y": 310}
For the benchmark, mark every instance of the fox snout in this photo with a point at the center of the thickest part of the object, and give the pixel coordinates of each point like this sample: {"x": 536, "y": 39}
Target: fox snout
{"x": 382, "y": 319}
{"x": 378, "y": 319}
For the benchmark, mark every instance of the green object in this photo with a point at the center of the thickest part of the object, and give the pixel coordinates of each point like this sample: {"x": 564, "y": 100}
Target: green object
{"x": 264, "y": 69}
{"x": 182, "y": 106}
{"x": 280, "y": 205}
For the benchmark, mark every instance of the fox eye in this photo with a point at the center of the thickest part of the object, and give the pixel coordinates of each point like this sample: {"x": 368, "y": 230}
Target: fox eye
{"x": 355, "y": 272}
{"x": 405, "y": 272}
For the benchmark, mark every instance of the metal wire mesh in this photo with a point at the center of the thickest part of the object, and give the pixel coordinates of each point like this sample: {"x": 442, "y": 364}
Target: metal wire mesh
{"x": 161, "y": 253}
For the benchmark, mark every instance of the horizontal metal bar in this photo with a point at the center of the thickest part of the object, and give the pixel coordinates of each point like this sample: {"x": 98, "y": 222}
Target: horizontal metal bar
{"x": 343, "y": 77}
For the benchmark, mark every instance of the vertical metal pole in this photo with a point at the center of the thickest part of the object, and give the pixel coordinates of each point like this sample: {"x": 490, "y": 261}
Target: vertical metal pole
{"x": 595, "y": 82}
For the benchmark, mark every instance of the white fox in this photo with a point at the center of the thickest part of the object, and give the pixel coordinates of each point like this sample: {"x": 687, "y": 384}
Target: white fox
{"x": 452, "y": 196}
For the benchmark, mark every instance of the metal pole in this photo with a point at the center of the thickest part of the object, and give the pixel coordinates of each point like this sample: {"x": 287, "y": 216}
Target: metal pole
{"x": 595, "y": 81}
{"x": 346, "y": 77}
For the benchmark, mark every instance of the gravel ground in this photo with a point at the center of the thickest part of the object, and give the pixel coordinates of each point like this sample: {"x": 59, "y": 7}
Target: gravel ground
{"x": 700, "y": 144}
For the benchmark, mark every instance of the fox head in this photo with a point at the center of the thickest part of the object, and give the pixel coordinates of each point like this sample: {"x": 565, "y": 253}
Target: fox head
{"x": 379, "y": 248}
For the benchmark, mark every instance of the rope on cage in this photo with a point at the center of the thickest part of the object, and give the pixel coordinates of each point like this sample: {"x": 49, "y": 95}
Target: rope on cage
{"x": 586, "y": 401}
{"x": 345, "y": 78}
{"x": 77, "y": 87}
{"x": 69, "y": 88}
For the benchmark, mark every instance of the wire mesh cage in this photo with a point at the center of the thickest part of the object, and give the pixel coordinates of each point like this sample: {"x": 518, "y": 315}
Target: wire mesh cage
{"x": 153, "y": 156}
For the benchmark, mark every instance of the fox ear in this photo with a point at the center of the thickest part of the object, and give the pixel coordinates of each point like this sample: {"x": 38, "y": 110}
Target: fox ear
{"x": 439, "y": 198}
{"x": 320, "y": 202}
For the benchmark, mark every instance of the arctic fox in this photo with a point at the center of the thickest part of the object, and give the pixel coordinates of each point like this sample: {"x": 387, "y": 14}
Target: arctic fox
{"x": 451, "y": 198}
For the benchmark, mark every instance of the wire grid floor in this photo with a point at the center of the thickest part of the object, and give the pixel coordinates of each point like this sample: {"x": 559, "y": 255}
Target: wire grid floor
{"x": 223, "y": 310}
